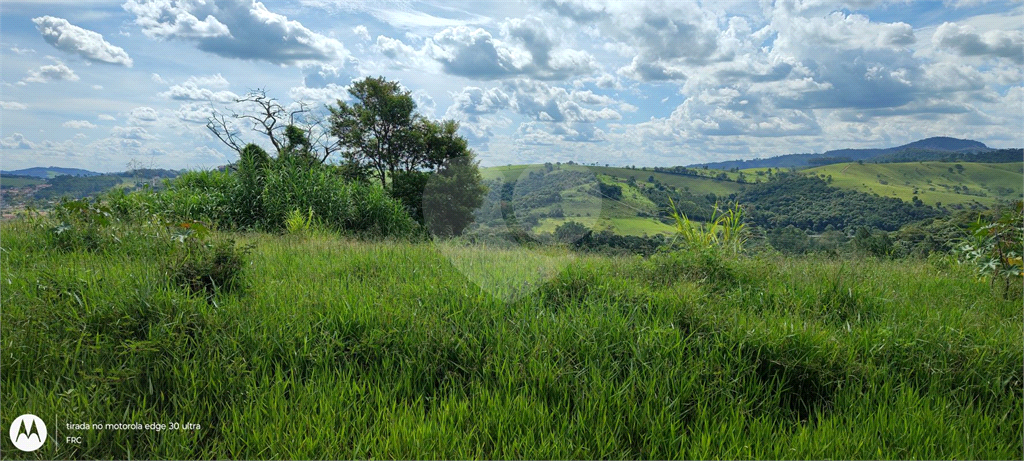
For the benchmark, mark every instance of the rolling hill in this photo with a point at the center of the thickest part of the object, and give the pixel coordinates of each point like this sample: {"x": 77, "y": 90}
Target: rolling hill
{"x": 631, "y": 201}
{"x": 935, "y": 146}
{"x": 933, "y": 183}
{"x": 49, "y": 172}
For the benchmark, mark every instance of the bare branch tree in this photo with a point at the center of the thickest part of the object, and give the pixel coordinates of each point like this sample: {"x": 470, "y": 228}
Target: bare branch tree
{"x": 267, "y": 116}
{"x": 218, "y": 124}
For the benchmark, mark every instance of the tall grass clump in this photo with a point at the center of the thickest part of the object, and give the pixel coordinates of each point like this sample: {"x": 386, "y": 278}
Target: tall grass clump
{"x": 725, "y": 229}
{"x": 349, "y": 207}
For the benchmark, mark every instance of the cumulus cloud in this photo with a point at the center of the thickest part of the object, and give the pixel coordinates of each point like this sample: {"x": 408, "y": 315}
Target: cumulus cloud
{"x": 78, "y": 124}
{"x": 966, "y": 42}
{"x": 190, "y": 91}
{"x": 361, "y": 32}
{"x": 549, "y": 103}
{"x": 473, "y": 101}
{"x": 50, "y": 72}
{"x": 16, "y": 141}
{"x": 142, "y": 115}
{"x": 194, "y": 112}
{"x": 106, "y": 117}
{"x": 239, "y": 29}
{"x": 73, "y": 39}
{"x": 841, "y": 31}
{"x": 523, "y": 48}
{"x": 134, "y": 133}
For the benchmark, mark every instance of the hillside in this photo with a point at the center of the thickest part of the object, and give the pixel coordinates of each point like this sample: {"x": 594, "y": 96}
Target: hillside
{"x": 935, "y": 146}
{"x": 934, "y": 183}
{"x": 621, "y": 200}
{"x": 50, "y": 172}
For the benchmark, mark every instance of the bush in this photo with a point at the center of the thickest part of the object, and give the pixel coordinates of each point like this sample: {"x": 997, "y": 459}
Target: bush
{"x": 356, "y": 208}
{"x": 200, "y": 196}
{"x": 209, "y": 268}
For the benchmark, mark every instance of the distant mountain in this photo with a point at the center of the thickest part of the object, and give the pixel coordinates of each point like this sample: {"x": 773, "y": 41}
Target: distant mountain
{"x": 49, "y": 172}
{"x": 936, "y": 148}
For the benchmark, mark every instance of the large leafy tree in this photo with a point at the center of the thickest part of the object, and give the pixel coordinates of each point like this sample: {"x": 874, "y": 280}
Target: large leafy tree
{"x": 423, "y": 163}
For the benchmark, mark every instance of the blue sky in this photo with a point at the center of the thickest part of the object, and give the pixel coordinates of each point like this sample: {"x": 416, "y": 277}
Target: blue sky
{"x": 99, "y": 85}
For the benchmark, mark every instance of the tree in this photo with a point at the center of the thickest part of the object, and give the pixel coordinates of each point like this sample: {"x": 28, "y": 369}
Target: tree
{"x": 379, "y": 129}
{"x": 430, "y": 167}
{"x": 297, "y": 131}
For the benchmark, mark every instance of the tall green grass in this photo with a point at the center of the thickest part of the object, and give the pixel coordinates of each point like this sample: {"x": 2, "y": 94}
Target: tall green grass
{"x": 337, "y": 348}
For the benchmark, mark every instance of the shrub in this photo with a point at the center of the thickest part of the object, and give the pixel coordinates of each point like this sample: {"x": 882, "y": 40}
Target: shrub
{"x": 209, "y": 267}
{"x": 725, "y": 229}
{"x": 995, "y": 248}
{"x": 200, "y": 196}
{"x": 357, "y": 208}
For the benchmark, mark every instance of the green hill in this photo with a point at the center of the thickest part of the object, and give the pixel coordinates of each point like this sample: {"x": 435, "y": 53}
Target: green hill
{"x": 932, "y": 182}
{"x": 630, "y": 202}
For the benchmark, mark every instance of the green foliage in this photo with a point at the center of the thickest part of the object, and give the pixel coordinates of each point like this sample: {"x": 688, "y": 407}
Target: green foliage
{"x": 809, "y": 203}
{"x": 253, "y": 164}
{"x": 451, "y": 195}
{"x": 725, "y": 229}
{"x": 208, "y": 268}
{"x": 297, "y": 222}
{"x": 790, "y": 240}
{"x": 76, "y": 186}
{"x": 873, "y": 242}
{"x": 995, "y": 250}
{"x": 354, "y": 208}
{"x": 407, "y": 187}
{"x": 380, "y": 133}
{"x": 571, "y": 232}
{"x": 199, "y": 196}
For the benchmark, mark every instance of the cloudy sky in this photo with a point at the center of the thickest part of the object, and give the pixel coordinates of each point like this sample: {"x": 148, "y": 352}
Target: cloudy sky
{"x": 97, "y": 85}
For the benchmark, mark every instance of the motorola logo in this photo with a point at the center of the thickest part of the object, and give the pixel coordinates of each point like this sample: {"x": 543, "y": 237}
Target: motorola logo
{"x": 28, "y": 432}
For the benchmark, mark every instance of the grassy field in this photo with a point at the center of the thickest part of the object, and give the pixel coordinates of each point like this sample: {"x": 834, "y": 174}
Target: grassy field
{"x": 619, "y": 216}
{"x": 693, "y": 184}
{"x": 7, "y": 181}
{"x": 931, "y": 182}
{"x": 335, "y": 348}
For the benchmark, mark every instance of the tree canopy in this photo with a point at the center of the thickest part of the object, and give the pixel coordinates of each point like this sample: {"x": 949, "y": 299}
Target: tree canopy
{"x": 423, "y": 163}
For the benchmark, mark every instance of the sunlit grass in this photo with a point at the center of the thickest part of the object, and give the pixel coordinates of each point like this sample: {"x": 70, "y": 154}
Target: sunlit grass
{"x": 336, "y": 348}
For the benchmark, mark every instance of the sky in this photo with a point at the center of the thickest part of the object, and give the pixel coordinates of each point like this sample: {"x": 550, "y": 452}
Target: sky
{"x": 108, "y": 85}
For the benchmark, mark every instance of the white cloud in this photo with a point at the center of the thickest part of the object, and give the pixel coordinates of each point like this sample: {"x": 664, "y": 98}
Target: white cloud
{"x": 966, "y": 42}
{"x": 156, "y": 78}
{"x": 51, "y": 72}
{"x": 105, "y": 117}
{"x": 167, "y": 19}
{"x": 11, "y": 105}
{"x": 326, "y": 95}
{"x": 194, "y": 112}
{"x": 142, "y": 115}
{"x": 16, "y": 141}
{"x": 361, "y": 32}
{"x": 215, "y": 81}
{"x": 524, "y": 48}
{"x": 135, "y": 133}
{"x": 86, "y": 43}
{"x": 243, "y": 29}
{"x": 189, "y": 91}
{"x": 78, "y": 124}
